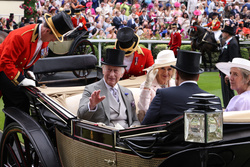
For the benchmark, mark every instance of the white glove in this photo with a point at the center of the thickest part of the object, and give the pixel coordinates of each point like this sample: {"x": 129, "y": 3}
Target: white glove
{"x": 31, "y": 75}
{"x": 151, "y": 73}
{"x": 27, "y": 82}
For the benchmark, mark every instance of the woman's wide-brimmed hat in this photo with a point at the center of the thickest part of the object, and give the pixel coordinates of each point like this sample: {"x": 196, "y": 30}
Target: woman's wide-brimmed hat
{"x": 164, "y": 58}
{"x": 114, "y": 57}
{"x": 177, "y": 4}
{"x": 188, "y": 62}
{"x": 59, "y": 24}
{"x": 98, "y": 9}
{"x": 237, "y": 62}
{"x": 88, "y": 4}
{"x": 109, "y": 28}
{"x": 127, "y": 40}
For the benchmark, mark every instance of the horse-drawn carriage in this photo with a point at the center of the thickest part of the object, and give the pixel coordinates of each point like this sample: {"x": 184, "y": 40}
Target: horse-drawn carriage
{"x": 52, "y": 135}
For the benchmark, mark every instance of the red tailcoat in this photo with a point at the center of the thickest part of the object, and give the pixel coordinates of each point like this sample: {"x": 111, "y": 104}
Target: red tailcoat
{"x": 215, "y": 24}
{"x": 17, "y": 50}
{"x": 139, "y": 63}
{"x": 81, "y": 20}
{"x": 175, "y": 42}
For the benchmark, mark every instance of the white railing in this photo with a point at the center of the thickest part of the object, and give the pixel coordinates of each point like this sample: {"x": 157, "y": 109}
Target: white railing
{"x": 149, "y": 42}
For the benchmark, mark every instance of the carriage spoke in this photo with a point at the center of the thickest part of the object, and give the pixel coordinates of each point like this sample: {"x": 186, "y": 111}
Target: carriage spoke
{"x": 12, "y": 159}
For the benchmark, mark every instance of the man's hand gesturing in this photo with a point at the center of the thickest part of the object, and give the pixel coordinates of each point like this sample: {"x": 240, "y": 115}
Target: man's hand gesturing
{"x": 95, "y": 99}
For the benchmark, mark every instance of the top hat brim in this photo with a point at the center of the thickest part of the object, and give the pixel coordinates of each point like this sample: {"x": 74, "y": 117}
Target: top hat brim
{"x": 136, "y": 40}
{"x": 229, "y": 32}
{"x": 113, "y": 64}
{"x": 188, "y": 72}
{"x": 48, "y": 19}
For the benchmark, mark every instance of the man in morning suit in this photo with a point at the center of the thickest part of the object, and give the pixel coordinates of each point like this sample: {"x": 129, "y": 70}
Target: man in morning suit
{"x": 230, "y": 50}
{"x": 106, "y": 101}
{"x": 172, "y": 102}
{"x": 136, "y": 58}
{"x": 20, "y": 50}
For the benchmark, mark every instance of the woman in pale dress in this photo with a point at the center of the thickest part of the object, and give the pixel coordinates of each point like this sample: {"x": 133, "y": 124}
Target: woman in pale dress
{"x": 238, "y": 72}
{"x": 160, "y": 75}
{"x": 185, "y": 25}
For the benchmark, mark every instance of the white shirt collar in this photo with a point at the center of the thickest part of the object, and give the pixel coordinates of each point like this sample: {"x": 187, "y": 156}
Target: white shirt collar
{"x": 228, "y": 40}
{"x": 108, "y": 86}
{"x": 188, "y": 82}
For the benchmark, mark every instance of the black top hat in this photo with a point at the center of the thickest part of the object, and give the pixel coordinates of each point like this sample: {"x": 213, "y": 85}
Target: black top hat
{"x": 188, "y": 62}
{"x": 228, "y": 29}
{"x": 77, "y": 11}
{"x": 59, "y": 24}
{"x": 68, "y": 11}
{"x": 114, "y": 57}
{"x": 127, "y": 40}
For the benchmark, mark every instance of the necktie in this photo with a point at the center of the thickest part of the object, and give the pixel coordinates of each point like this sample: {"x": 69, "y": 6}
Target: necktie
{"x": 114, "y": 91}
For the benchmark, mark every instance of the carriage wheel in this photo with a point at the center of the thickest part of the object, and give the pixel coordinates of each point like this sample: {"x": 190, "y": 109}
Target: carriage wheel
{"x": 16, "y": 148}
{"x": 83, "y": 47}
{"x": 3, "y": 35}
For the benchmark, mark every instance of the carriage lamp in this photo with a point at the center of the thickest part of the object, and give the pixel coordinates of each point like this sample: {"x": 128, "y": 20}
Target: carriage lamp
{"x": 203, "y": 123}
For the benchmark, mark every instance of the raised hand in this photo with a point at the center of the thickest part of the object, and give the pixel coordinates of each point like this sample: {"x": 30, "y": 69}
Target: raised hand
{"x": 94, "y": 99}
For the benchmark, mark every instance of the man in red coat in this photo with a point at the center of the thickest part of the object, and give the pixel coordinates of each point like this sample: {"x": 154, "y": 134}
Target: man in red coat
{"x": 136, "y": 58}
{"x": 215, "y": 27}
{"x": 20, "y": 50}
{"x": 77, "y": 19}
{"x": 175, "y": 40}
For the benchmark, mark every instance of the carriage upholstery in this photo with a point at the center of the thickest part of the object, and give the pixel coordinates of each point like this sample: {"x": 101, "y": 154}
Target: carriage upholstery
{"x": 65, "y": 63}
{"x": 70, "y": 98}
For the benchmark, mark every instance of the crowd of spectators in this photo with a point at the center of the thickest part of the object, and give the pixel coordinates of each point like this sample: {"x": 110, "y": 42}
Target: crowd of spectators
{"x": 150, "y": 19}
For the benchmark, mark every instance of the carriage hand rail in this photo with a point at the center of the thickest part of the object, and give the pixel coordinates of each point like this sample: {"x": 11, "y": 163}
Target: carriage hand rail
{"x": 71, "y": 31}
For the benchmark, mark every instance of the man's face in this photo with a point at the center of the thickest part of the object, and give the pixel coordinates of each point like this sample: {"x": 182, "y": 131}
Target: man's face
{"x": 224, "y": 35}
{"x": 112, "y": 74}
{"x": 48, "y": 36}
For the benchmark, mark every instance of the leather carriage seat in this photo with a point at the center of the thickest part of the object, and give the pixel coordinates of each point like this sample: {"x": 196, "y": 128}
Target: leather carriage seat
{"x": 72, "y": 102}
{"x": 65, "y": 63}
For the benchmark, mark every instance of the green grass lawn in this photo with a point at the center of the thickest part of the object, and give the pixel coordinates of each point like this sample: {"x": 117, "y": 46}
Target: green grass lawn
{"x": 208, "y": 81}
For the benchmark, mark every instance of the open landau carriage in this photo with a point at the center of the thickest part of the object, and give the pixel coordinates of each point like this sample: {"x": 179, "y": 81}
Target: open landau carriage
{"x": 52, "y": 135}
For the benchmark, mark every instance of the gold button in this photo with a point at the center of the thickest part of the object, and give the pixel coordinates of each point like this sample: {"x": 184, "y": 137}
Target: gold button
{"x": 141, "y": 65}
{"x": 11, "y": 77}
{"x": 23, "y": 68}
{"x": 16, "y": 65}
{"x": 21, "y": 62}
{"x": 139, "y": 72}
{"x": 24, "y": 59}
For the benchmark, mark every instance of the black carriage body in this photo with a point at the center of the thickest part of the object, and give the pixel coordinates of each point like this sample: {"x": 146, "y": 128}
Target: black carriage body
{"x": 83, "y": 143}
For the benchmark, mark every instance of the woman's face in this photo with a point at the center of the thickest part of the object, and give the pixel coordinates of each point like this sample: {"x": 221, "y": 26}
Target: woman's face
{"x": 237, "y": 81}
{"x": 164, "y": 74}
